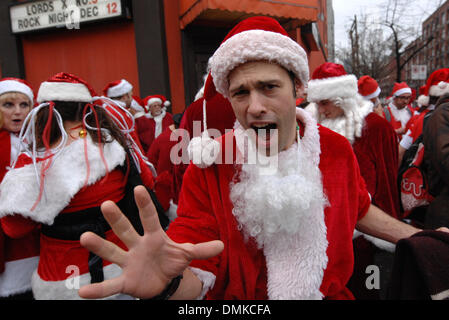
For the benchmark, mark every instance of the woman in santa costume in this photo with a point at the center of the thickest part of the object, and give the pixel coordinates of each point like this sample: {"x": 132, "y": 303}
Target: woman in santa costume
{"x": 150, "y": 124}
{"x": 246, "y": 230}
{"x": 78, "y": 156}
{"x": 19, "y": 252}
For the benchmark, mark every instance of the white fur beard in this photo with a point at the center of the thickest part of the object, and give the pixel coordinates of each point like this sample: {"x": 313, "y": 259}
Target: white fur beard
{"x": 402, "y": 115}
{"x": 280, "y": 203}
{"x": 340, "y": 126}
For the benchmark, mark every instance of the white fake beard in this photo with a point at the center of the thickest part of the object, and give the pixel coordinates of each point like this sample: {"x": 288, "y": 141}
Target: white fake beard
{"x": 401, "y": 115}
{"x": 338, "y": 125}
{"x": 281, "y": 203}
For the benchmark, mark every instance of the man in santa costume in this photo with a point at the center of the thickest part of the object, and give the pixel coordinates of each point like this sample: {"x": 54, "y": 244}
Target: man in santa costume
{"x": 397, "y": 112}
{"x": 19, "y": 253}
{"x": 247, "y": 229}
{"x": 337, "y": 105}
{"x": 369, "y": 89}
{"x": 121, "y": 91}
{"x": 150, "y": 124}
{"x": 436, "y": 86}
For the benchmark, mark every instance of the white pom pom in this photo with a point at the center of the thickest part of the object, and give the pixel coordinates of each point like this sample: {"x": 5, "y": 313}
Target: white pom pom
{"x": 423, "y": 100}
{"x": 203, "y": 151}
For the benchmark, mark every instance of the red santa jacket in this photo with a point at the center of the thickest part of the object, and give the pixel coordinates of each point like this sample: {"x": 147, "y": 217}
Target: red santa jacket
{"x": 69, "y": 188}
{"x": 240, "y": 271}
{"x": 146, "y": 128}
{"x": 395, "y": 123}
{"x": 19, "y": 252}
{"x": 377, "y": 153}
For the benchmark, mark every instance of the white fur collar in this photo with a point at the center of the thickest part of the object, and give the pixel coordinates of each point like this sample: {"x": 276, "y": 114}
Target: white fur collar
{"x": 296, "y": 263}
{"x": 19, "y": 189}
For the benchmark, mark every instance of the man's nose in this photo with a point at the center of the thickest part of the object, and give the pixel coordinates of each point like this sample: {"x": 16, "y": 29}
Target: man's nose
{"x": 256, "y": 106}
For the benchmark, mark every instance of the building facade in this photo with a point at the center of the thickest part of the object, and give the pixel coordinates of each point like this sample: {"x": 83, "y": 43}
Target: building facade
{"x": 160, "y": 46}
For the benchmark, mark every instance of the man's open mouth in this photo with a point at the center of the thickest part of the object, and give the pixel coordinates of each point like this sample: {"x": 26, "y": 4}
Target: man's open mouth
{"x": 264, "y": 130}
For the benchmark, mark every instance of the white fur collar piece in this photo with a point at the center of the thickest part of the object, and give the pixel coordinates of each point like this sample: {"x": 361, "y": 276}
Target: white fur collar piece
{"x": 66, "y": 176}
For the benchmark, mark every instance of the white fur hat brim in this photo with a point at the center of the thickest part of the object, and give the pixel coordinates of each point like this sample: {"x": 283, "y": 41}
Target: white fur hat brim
{"x": 16, "y": 86}
{"x": 373, "y": 95}
{"x": 63, "y": 91}
{"x": 257, "y": 45}
{"x": 119, "y": 90}
{"x": 439, "y": 90}
{"x": 330, "y": 88}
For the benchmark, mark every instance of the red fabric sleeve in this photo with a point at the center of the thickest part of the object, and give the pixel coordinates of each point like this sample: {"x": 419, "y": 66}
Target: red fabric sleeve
{"x": 195, "y": 222}
{"x": 17, "y": 226}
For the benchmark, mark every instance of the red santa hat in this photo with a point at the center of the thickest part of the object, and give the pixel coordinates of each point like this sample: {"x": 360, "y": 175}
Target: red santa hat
{"x": 117, "y": 88}
{"x": 16, "y": 85}
{"x": 400, "y": 89}
{"x": 257, "y": 39}
{"x": 65, "y": 87}
{"x": 368, "y": 88}
{"x": 437, "y": 85}
{"x": 330, "y": 81}
{"x": 157, "y": 98}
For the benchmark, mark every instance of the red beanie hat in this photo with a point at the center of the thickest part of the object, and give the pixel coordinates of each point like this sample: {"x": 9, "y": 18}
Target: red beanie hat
{"x": 65, "y": 87}
{"x": 368, "y": 87}
{"x": 330, "y": 81}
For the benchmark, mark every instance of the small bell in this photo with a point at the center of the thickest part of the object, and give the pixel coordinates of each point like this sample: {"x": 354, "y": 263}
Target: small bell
{"x": 82, "y": 133}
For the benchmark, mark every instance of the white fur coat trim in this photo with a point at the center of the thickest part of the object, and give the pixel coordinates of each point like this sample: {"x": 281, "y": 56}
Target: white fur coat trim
{"x": 16, "y": 278}
{"x": 296, "y": 264}
{"x": 19, "y": 189}
{"x": 68, "y": 289}
{"x": 379, "y": 243}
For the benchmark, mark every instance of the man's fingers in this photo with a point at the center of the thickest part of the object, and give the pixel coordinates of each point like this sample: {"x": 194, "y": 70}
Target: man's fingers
{"x": 207, "y": 250}
{"x": 101, "y": 290}
{"x": 103, "y": 248}
{"x": 147, "y": 211}
{"x": 119, "y": 223}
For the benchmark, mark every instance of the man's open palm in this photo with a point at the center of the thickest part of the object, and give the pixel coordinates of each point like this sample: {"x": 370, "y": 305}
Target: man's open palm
{"x": 151, "y": 261}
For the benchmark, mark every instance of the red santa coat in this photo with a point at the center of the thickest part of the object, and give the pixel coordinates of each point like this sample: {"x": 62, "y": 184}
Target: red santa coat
{"x": 65, "y": 193}
{"x": 19, "y": 253}
{"x": 377, "y": 153}
{"x": 396, "y": 123}
{"x": 219, "y": 115}
{"x": 146, "y": 128}
{"x": 240, "y": 271}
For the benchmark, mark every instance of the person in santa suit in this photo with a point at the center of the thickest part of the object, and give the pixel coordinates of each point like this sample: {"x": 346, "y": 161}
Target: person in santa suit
{"x": 369, "y": 89}
{"x": 19, "y": 253}
{"x": 337, "y": 104}
{"x": 279, "y": 227}
{"x": 212, "y": 111}
{"x": 150, "y": 124}
{"x": 437, "y": 85}
{"x": 397, "y": 112}
{"x": 121, "y": 91}
{"x": 76, "y": 158}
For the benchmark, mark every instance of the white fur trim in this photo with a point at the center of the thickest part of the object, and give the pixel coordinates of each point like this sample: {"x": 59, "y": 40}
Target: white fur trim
{"x": 203, "y": 150}
{"x": 402, "y": 91}
{"x": 153, "y": 100}
{"x": 67, "y": 289}
{"x": 296, "y": 264}
{"x": 207, "y": 278}
{"x": 19, "y": 189}
{"x": 257, "y": 45}
{"x": 63, "y": 91}
{"x": 167, "y": 103}
{"x": 373, "y": 95}
{"x": 120, "y": 89}
{"x": 443, "y": 295}
{"x": 423, "y": 100}
{"x": 330, "y": 88}
{"x": 172, "y": 211}
{"x": 16, "y": 86}
{"x": 136, "y": 106}
{"x": 439, "y": 90}
{"x": 16, "y": 278}
{"x": 379, "y": 243}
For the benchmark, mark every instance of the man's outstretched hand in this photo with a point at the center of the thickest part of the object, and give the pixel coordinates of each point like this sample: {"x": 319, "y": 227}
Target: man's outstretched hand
{"x": 151, "y": 261}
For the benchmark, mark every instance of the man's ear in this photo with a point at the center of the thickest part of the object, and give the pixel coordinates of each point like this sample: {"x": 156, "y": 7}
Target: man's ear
{"x": 299, "y": 89}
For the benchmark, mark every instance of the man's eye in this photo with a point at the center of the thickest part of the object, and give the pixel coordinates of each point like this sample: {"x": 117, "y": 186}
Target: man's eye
{"x": 240, "y": 93}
